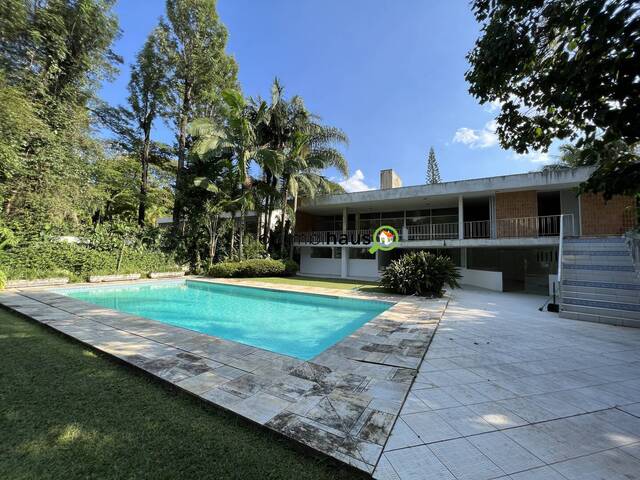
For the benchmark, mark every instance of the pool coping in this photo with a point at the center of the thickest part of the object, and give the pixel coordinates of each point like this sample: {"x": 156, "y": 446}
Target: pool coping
{"x": 342, "y": 403}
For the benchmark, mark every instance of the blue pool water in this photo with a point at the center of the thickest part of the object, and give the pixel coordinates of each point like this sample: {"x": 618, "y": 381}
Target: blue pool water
{"x": 295, "y": 324}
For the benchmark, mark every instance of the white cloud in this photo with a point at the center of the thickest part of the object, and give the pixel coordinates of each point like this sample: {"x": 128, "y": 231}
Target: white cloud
{"x": 534, "y": 157}
{"x": 483, "y": 138}
{"x": 493, "y": 106}
{"x": 355, "y": 183}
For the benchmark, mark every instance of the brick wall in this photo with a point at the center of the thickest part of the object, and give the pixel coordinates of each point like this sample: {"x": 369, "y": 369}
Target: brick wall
{"x": 614, "y": 217}
{"x": 517, "y": 205}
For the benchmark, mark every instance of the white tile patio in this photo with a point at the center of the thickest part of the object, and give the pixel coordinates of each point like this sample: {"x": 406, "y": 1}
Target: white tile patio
{"x": 508, "y": 392}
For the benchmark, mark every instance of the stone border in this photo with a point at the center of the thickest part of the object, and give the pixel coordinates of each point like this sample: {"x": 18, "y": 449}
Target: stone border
{"x": 343, "y": 403}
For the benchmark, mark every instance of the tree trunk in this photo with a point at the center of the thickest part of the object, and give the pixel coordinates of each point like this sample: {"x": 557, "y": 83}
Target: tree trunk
{"x": 293, "y": 223}
{"x": 233, "y": 235}
{"x": 144, "y": 177}
{"x": 283, "y": 233}
{"x": 241, "y": 234}
{"x": 183, "y": 123}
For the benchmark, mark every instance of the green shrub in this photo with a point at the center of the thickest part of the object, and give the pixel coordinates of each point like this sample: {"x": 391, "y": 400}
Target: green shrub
{"x": 54, "y": 259}
{"x": 256, "y": 267}
{"x": 224, "y": 269}
{"x": 420, "y": 273}
{"x": 3, "y": 280}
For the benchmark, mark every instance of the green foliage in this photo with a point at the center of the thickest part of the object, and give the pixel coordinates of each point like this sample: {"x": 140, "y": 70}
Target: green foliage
{"x": 254, "y": 268}
{"x": 50, "y": 259}
{"x": 252, "y": 248}
{"x": 564, "y": 70}
{"x": 433, "y": 171}
{"x": 420, "y": 273}
{"x": 3, "y": 280}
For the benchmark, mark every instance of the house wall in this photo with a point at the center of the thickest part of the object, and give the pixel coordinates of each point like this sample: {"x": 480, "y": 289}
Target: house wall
{"x": 363, "y": 268}
{"x": 318, "y": 266}
{"x": 600, "y": 217}
{"x": 482, "y": 279}
{"x": 516, "y": 205}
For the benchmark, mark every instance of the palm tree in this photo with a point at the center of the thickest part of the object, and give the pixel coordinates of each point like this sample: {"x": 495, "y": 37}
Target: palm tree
{"x": 238, "y": 135}
{"x": 310, "y": 151}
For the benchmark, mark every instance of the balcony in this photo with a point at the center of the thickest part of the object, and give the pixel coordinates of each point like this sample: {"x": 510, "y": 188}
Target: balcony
{"x": 505, "y": 228}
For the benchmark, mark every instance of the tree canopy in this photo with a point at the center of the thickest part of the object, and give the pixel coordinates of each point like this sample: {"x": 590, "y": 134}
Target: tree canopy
{"x": 564, "y": 70}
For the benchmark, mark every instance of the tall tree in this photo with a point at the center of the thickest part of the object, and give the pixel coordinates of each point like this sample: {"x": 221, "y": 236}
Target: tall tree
{"x": 564, "y": 69}
{"x": 433, "y": 171}
{"x": 53, "y": 54}
{"x": 148, "y": 89}
{"x": 200, "y": 71}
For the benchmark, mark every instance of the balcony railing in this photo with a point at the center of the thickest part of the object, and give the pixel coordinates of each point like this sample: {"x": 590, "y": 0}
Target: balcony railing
{"x": 434, "y": 231}
{"x": 477, "y": 229}
{"x": 545, "y": 226}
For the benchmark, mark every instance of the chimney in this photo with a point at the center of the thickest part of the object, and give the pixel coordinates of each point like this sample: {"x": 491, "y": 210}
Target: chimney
{"x": 389, "y": 179}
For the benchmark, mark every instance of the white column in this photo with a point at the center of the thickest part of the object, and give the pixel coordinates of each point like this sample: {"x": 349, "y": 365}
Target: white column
{"x": 344, "y": 258}
{"x": 460, "y": 217}
{"x": 492, "y": 216}
{"x": 463, "y": 257}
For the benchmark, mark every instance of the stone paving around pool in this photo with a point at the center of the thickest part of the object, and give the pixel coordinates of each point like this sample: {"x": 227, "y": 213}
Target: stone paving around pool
{"x": 343, "y": 403}
{"x": 508, "y": 392}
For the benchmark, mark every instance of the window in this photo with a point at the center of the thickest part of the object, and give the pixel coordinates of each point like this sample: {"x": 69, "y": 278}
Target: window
{"x": 320, "y": 252}
{"x": 361, "y": 254}
{"x": 337, "y": 252}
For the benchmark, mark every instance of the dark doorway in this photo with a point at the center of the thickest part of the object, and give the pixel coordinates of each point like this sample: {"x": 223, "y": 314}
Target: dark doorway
{"x": 549, "y": 210}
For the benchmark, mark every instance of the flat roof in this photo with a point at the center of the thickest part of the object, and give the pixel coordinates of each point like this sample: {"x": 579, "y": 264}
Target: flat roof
{"x": 439, "y": 194}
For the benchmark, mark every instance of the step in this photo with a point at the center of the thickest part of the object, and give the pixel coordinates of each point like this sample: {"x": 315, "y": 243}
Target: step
{"x": 608, "y": 296}
{"x": 601, "y": 287}
{"x": 611, "y": 239}
{"x": 600, "y": 276}
{"x": 597, "y": 259}
{"x": 586, "y": 317}
{"x": 594, "y": 247}
{"x": 593, "y": 308}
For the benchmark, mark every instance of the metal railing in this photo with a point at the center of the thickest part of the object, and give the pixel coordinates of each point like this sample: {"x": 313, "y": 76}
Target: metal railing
{"x": 434, "y": 231}
{"x": 477, "y": 229}
{"x": 546, "y": 226}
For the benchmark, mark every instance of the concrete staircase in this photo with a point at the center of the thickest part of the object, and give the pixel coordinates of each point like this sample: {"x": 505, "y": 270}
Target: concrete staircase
{"x": 599, "y": 281}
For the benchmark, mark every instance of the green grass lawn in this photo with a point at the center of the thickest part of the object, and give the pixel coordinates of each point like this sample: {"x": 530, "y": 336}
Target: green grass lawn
{"x": 322, "y": 283}
{"x": 69, "y": 413}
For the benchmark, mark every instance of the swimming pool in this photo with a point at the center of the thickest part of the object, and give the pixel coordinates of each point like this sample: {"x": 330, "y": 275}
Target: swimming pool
{"x": 296, "y": 324}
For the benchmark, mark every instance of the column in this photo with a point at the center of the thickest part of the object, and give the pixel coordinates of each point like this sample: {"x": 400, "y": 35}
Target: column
{"x": 460, "y": 217}
{"x": 344, "y": 257}
{"x": 492, "y": 216}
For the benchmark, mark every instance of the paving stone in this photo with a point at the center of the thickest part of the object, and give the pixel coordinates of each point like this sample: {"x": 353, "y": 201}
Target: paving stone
{"x": 504, "y": 452}
{"x": 465, "y": 461}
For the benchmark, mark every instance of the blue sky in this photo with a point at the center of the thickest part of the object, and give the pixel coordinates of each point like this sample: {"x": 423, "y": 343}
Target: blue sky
{"x": 390, "y": 74}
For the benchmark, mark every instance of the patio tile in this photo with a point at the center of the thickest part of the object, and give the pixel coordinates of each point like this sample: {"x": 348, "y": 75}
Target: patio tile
{"x": 498, "y": 415}
{"x": 430, "y": 427}
{"x": 542, "y": 473}
{"x": 465, "y": 421}
{"x": 338, "y": 410}
{"x": 402, "y": 436}
{"x": 609, "y": 465}
{"x": 633, "y": 450}
{"x": 413, "y": 404}
{"x": 504, "y": 452}
{"x": 633, "y": 409}
{"x": 465, "y": 461}
{"x": 417, "y": 463}
{"x": 528, "y": 409}
{"x": 203, "y": 382}
{"x": 436, "y": 398}
{"x": 385, "y": 471}
{"x": 261, "y": 407}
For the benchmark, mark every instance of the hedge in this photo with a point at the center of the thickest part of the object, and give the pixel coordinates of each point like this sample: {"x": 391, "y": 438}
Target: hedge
{"x": 257, "y": 267}
{"x": 78, "y": 262}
